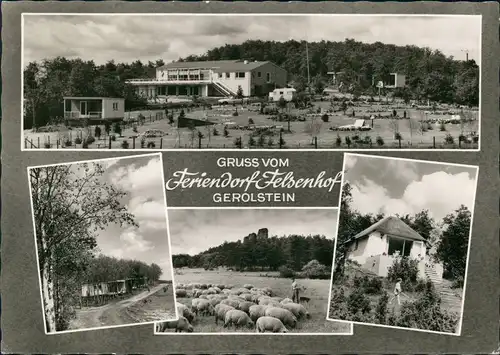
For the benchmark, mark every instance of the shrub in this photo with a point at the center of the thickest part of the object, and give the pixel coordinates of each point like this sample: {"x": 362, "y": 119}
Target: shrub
{"x": 125, "y": 144}
{"x": 325, "y": 118}
{"x": 458, "y": 283}
{"x": 235, "y": 113}
{"x": 170, "y": 118}
{"x": 448, "y": 139}
{"x": 47, "y": 145}
{"x": 338, "y": 304}
{"x": 398, "y": 136}
{"x": 151, "y": 145}
{"x": 380, "y": 141}
{"x": 420, "y": 286}
{"x": 315, "y": 270}
{"x": 250, "y": 121}
{"x": 462, "y": 138}
{"x": 262, "y": 140}
{"x": 117, "y": 128}
{"x": 97, "y": 132}
{"x": 475, "y": 139}
{"x": 107, "y": 127}
{"x": 355, "y": 138}
{"x": 113, "y": 138}
{"x": 85, "y": 144}
{"x": 282, "y": 142}
{"x": 237, "y": 142}
{"x": 68, "y": 142}
{"x": 442, "y": 127}
{"x": 78, "y": 140}
{"x": 251, "y": 141}
{"x": 90, "y": 140}
{"x": 226, "y": 132}
{"x": 348, "y": 140}
{"x": 381, "y": 309}
{"x": 369, "y": 285}
{"x": 358, "y": 302}
{"x": 426, "y": 313}
{"x": 286, "y": 272}
{"x": 215, "y": 132}
{"x": 338, "y": 141}
{"x": 143, "y": 142}
{"x": 367, "y": 140}
{"x": 134, "y": 129}
{"x": 270, "y": 142}
{"x": 405, "y": 268}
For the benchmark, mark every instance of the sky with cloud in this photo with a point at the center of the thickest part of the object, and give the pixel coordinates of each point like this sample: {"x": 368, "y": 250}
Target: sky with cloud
{"x": 196, "y": 230}
{"x": 141, "y": 178}
{"x": 129, "y": 38}
{"x": 401, "y": 186}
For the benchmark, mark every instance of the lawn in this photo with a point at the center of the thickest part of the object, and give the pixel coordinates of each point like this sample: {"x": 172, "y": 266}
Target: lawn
{"x": 299, "y": 137}
{"x": 317, "y": 290}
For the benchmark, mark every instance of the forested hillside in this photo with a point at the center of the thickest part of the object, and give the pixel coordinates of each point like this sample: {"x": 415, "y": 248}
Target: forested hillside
{"x": 293, "y": 251}
{"x": 430, "y": 74}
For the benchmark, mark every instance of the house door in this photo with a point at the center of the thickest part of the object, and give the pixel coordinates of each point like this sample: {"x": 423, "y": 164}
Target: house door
{"x": 83, "y": 108}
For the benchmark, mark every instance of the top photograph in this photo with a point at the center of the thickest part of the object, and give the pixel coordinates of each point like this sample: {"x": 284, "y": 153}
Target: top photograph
{"x": 251, "y": 81}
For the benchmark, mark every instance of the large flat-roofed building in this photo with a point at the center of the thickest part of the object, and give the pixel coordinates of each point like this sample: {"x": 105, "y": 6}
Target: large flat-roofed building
{"x": 212, "y": 78}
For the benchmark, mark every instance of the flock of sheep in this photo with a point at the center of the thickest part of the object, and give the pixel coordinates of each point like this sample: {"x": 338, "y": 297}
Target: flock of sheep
{"x": 242, "y": 307}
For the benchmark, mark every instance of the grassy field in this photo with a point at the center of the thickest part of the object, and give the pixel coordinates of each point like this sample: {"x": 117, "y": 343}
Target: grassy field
{"x": 317, "y": 290}
{"x": 300, "y": 136}
{"x": 158, "y": 306}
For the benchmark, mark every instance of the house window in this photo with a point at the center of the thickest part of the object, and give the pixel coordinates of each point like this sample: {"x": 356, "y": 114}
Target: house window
{"x": 400, "y": 245}
{"x": 115, "y": 106}
{"x": 268, "y": 77}
{"x": 259, "y": 74}
{"x": 281, "y": 92}
{"x": 240, "y": 75}
{"x": 228, "y": 75}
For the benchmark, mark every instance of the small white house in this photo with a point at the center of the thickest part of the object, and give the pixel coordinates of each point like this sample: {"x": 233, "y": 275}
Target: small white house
{"x": 287, "y": 93}
{"x": 94, "y": 108}
{"x": 377, "y": 247}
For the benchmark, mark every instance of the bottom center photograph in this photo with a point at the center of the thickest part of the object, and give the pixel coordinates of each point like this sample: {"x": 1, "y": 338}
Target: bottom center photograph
{"x": 249, "y": 270}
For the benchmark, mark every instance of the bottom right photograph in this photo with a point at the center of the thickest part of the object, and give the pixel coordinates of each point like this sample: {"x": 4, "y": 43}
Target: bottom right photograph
{"x": 403, "y": 240}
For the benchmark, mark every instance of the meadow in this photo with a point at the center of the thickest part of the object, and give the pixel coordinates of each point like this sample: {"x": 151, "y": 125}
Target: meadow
{"x": 316, "y": 290}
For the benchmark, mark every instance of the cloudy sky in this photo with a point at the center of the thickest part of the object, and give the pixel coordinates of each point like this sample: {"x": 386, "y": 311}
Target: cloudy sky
{"x": 142, "y": 179}
{"x": 194, "y": 231}
{"x": 167, "y": 37}
{"x": 398, "y": 186}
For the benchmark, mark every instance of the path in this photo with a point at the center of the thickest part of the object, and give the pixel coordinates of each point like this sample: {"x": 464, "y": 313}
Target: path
{"x": 110, "y": 314}
{"x": 450, "y": 299}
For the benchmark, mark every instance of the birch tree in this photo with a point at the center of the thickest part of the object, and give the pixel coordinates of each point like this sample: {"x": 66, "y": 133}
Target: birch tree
{"x": 71, "y": 204}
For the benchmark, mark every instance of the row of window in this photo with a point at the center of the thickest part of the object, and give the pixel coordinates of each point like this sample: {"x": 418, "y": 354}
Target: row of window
{"x": 240, "y": 75}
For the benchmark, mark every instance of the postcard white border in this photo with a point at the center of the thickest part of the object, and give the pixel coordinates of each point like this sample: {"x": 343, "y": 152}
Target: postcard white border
{"x": 36, "y": 244}
{"x": 253, "y": 333}
{"x": 459, "y": 332}
{"x": 480, "y": 64}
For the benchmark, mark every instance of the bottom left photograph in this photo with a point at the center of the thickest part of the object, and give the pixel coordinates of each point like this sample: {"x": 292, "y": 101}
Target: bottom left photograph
{"x": 102, "y": 243}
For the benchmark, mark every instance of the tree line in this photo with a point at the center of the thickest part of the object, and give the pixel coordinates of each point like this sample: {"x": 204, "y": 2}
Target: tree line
{"x": 449, "y": 236}
{"x": 292, "y": 251}
{"x": 105, "y": 268}
{"x": 430, "y": 74}
{"x": 46, "y": 82}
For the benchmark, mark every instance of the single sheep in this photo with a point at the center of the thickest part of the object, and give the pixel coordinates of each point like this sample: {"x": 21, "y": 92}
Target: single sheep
{"x": 245, "y": 306}
{"x": 180, "y": 292}
{"x": 180, "y": 325}
{"x": 231, "y": 302}
{"x": 247, "y": 296}
{"x": 298, "y": 310}
{"x": 286, "y": 300}
{"x": 283, "y": 315}
{"x": 248, "y": 286}
{"x": 203, "y": 307}
{"x": 269, "y": 302}
{"x": 270, "y": 324}
{"x": 257, "y": 311}
{"x": 184, "y": 311}
{"x": 238, "y": 319}
{"x": 220, "y": 312}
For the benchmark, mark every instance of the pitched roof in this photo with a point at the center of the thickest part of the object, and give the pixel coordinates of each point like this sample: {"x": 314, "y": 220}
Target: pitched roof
{"x": 392, "y": 226}
{"x": 217, "y": 65}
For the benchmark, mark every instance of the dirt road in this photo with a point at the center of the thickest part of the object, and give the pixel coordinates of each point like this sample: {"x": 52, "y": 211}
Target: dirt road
{"x": 110, "y": 314}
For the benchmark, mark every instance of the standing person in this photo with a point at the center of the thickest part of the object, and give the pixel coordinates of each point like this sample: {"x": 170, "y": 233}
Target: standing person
{"x": 295, "y": 291}
{"x": 398, "y": 290}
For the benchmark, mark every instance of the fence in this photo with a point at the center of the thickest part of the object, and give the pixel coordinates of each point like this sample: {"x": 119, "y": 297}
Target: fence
{"x": 135, "y": 142}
